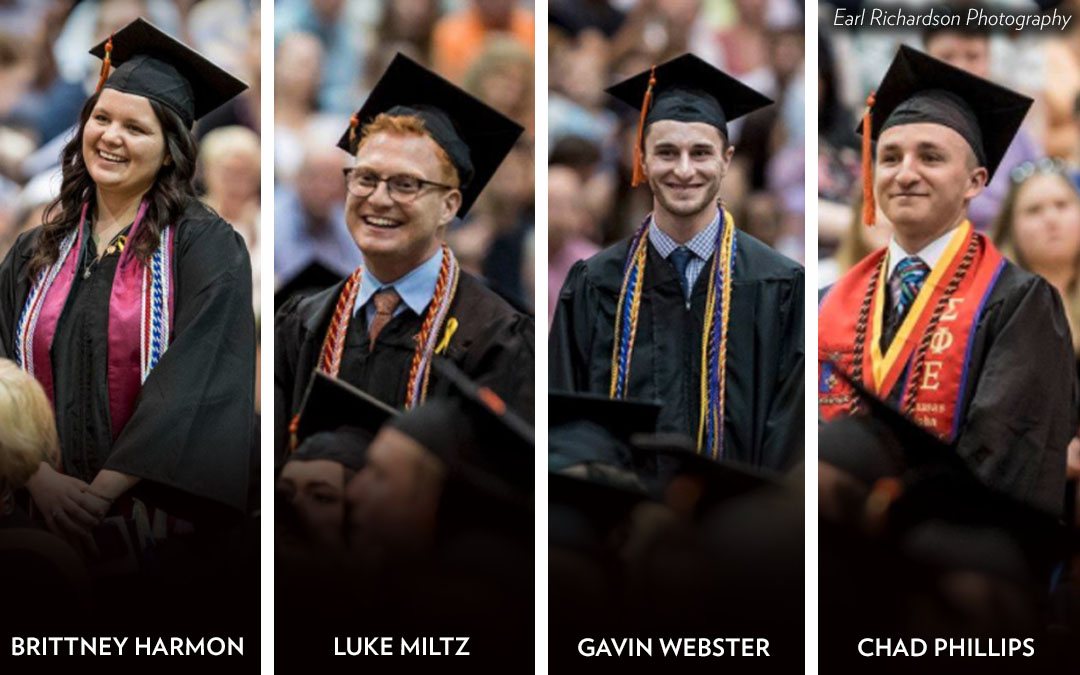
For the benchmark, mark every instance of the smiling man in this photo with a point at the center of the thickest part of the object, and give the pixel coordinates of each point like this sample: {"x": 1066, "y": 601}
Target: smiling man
{"x": 938, "y": 323}
{"x": 689, "y": 312}
{"x": 423, "y": 150}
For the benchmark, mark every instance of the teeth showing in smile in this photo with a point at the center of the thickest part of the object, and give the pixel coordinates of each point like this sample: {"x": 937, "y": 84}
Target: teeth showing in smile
{"x": 380, "y": 222}
{"x": 111, "y": 157}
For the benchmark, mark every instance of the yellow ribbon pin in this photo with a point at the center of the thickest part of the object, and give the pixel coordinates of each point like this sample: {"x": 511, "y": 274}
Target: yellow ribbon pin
{"x": 451, "y": 328}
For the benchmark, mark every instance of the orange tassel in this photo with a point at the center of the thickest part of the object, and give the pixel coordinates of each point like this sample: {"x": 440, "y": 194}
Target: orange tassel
{"x": 869, "y": 212}
{"x": 354, "y": 122}
{"x": 639, "y": 160}
{"x": 294, "y": 428}
{"x": 105, "y": 65}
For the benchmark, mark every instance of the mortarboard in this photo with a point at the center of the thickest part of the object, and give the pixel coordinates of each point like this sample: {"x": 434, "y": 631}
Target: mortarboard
{"x": 622, "y": 418}
{"x": 918, "y": 88}
{"x": 313, "y": 278}
{"x": 150, "y": 63}
{"x": 685, "y": 89}
{"x": 330, "y": 404}
{"x": 474, "y": 135}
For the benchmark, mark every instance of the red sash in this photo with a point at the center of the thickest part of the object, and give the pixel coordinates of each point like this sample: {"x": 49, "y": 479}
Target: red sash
{"x": 932, "y": 347}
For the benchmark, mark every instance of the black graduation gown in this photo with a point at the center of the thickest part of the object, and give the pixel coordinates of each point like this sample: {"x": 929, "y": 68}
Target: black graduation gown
{"x": 763, "y": 417}
{"x": 1021, "y": 396}
{"x": 190, "y": 436}
{"x": 493, "y": 345}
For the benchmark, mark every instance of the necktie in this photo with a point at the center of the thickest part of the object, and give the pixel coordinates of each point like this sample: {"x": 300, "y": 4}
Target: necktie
{"x": 904, "y": 285}
{"x": 386, "y": 301}
{"x": 680, "y": 258}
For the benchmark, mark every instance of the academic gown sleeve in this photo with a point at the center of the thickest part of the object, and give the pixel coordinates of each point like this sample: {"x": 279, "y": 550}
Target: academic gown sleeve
{"x": 1023, "y": 410}
{"x": 782, "y": 442}
{"x": 570, "y": 340}
{"x": 13, "y": 288}
{"x": 194, "y": 417}
{"x": 288, "y": 333}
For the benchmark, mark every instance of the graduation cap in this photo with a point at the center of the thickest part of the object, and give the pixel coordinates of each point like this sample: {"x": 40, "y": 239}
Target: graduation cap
{"x": 474, "y": 135}
{"x": 685, "y": 89}
{"x": 330, "y": 404}
{"x": 918, "y": 88}
{"x": 313, "y": 278}
{"x": 481, "y": 442}
{"x": 623, "y": 418}
{"x": 152, "y": 64}
{"x": 714, "y": 482}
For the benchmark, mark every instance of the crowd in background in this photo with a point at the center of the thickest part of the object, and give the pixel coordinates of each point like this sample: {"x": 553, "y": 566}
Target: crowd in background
{"x": 47, "y": 73}
{"x": 1031, "y": 207}
{"x": 327, "y": 57}
{"x": 592, "y": 45}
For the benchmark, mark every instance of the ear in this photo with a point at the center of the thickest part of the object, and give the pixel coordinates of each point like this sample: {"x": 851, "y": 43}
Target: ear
{"x": 448, "y": 207}
{"x": 167, "y": 161}
{"x": 977, "y": 180}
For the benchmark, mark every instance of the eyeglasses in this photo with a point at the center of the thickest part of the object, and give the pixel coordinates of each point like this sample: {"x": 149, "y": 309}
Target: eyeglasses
{"x": 402, "y": 188}
{"x": 1043, "y": 165}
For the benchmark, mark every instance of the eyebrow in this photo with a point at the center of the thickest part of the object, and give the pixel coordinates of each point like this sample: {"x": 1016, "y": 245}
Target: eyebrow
{"x": 920, "y": 146}
{"x": 698, "y": 145}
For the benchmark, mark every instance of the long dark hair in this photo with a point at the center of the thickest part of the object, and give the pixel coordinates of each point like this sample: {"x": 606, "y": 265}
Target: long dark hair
{"x": 166, "y": 198}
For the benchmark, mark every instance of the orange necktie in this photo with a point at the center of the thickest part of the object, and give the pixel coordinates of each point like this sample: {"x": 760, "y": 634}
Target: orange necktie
{"x": 386, "y": 301}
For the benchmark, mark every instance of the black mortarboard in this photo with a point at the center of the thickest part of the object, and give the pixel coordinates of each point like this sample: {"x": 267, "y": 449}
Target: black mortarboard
{"x": 148, "y": 62}
{"x": 686, "y": 89}
{"x": 313, "y": 278}
{"x": 330, "y": 404}
{"x": 919, "y": 88}
{"x": 622, "y": 418}
{"x": 476, "y": 435}
{"x": 474, "y": 135}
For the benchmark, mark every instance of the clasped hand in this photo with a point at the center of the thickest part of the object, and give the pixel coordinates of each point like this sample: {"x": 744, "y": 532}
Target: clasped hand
{"x": 71, "y": 509}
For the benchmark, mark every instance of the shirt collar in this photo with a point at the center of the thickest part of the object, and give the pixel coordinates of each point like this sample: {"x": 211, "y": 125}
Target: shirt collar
{"x": 415, "y": 288}
{"x": 930, "y": 254}
{"x": 702, "y": 244}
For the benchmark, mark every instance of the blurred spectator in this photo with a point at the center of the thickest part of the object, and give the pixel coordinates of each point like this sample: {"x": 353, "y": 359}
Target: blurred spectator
{"x": 502, "y": 77}
{"x": 1039, "y": 229}
{"x": 459, "y": 38}
{"x": 568, "y": 221}
{"x": 231, "y": 167}
{"x": 297, "y": 62}
{"x": 342, "y": 38}
{"x": 309, "y": 220}
{"x": 970, "y": 51}
{"x": 408, "y": 22}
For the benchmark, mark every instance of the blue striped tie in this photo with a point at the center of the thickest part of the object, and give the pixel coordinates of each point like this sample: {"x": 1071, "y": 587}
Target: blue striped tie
{"x": 907, "y": 279}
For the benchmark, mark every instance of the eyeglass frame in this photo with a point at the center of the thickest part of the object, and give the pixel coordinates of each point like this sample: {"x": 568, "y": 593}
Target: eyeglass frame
{"x": 347, "y": 172}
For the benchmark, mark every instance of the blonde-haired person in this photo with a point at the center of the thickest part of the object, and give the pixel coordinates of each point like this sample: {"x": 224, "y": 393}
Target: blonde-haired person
{"x": 231, "y": 165}
{"x": 1038, "y": 228}
{"x": 48, "y": 571}
{"x": 28, "y": 439}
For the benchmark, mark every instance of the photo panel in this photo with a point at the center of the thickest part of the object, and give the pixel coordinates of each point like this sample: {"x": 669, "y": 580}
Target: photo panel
{"x": 949, "y": 251}
{"x": 129, "y": 435}
{"x": 404, "y": 336}
{"x": 676, "y": 336}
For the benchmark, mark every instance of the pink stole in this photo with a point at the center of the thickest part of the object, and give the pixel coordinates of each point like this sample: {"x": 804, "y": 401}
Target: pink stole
{"x": 140, "y": 317}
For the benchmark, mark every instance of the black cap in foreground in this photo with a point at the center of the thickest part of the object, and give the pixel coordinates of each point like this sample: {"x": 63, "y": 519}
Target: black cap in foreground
{"x": 623, "y": 418}
{"x": 330, "y": 404}
{"x": 474, "y": 135}
{"x": 148, "y": 62}
{"x": 687, "y": 89}
{"x": 918, "y": 88}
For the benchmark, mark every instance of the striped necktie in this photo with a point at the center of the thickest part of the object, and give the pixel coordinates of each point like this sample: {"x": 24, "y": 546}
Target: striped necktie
{"x": 904, "y": 285}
